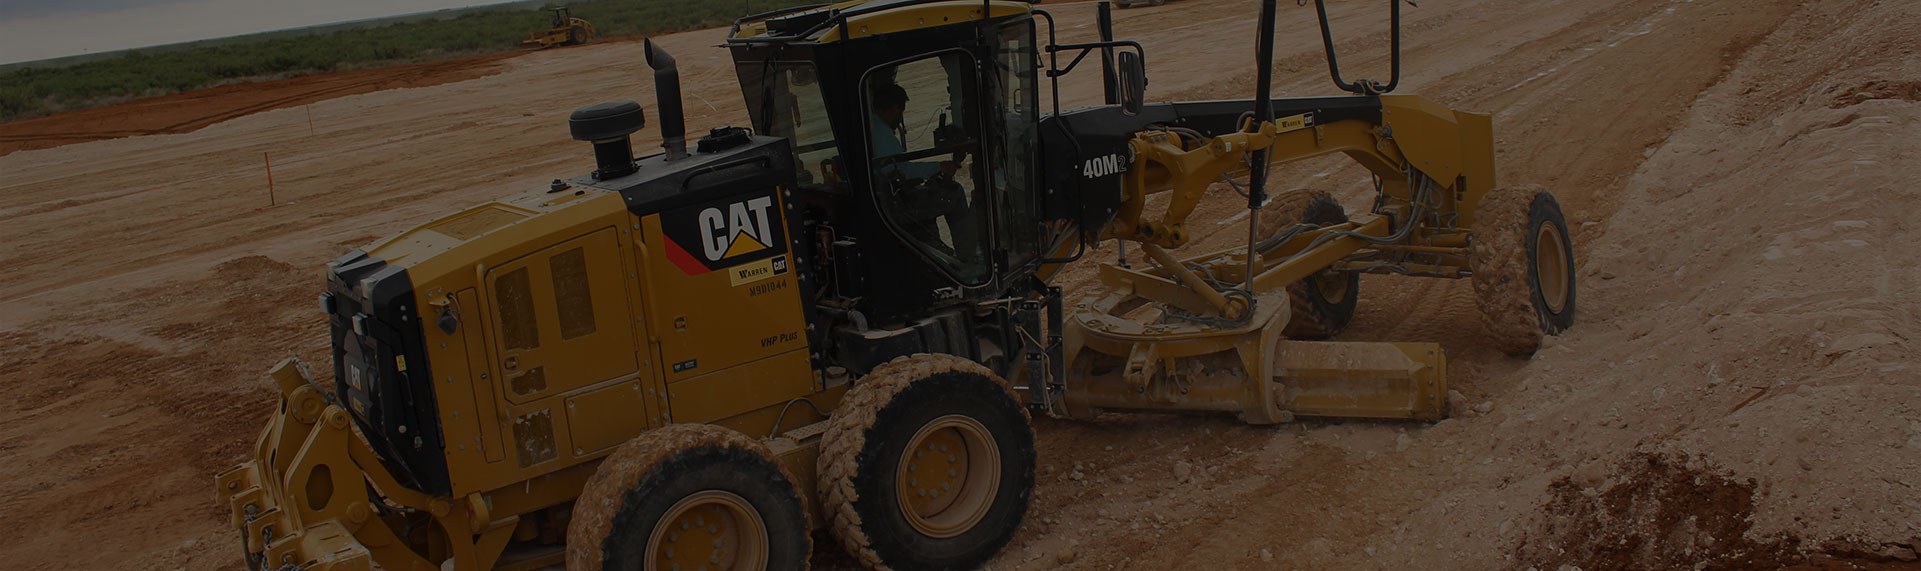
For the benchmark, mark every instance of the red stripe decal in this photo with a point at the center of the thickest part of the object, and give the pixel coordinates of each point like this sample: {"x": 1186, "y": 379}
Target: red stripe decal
{"x": 681, "y": 258}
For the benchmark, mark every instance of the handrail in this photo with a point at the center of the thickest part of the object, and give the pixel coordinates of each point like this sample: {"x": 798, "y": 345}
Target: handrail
{"x": 1362, "y": 86}
{"x": 771, "y": 14}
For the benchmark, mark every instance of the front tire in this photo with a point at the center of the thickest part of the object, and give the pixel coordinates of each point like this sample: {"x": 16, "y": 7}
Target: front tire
{"x": 1522, "y": 260}
{"x": 927, "y": 464}
{"x": 691, "y": 495}
{"x": 1323, "y": 304}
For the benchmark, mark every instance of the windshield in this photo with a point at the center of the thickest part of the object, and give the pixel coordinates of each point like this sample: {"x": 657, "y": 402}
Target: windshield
{"x": 784, "y": 99}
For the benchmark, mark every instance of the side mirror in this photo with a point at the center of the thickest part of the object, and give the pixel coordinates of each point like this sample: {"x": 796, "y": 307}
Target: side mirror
{"x": 1133, "y": 78}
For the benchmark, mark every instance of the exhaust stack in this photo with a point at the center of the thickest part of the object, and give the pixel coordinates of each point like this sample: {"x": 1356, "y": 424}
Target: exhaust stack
{"x": 673, "y": 127}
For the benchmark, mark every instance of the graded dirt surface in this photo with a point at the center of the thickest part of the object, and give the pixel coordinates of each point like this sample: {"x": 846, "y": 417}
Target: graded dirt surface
{"x": 1740, "y": 389}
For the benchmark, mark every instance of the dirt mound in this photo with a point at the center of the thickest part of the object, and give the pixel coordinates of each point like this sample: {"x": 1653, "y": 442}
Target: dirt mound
{"x": 1655, "y": 511}
{"x": 1775, "y": 331}
{"x": 251, "y": 266}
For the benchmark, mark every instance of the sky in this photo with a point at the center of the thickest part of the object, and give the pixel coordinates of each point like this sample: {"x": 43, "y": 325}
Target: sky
{"x": 40, "y": 29}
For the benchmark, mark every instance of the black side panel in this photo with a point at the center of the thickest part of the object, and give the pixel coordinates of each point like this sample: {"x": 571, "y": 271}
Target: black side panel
{"x": 659, "y": 184}
{"x": 383, "y": 375}
{"x": 1085, "y": 152}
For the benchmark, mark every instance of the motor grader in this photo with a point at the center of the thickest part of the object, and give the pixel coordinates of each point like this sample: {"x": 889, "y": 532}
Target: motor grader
{"x": 843, "y": 319}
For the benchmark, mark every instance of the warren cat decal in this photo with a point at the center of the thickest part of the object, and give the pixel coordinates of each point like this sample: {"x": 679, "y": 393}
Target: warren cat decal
{"x": 742, "y": 232}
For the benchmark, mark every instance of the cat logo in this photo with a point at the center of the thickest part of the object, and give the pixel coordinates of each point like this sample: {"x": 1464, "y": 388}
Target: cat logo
{"x": 725, "y": 233}
{"x": 1098, "y": 167}
{"x": 743, "y": 229}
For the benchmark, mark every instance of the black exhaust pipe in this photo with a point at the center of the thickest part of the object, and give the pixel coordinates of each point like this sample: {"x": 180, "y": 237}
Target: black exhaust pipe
{"x": 673, "y": 126}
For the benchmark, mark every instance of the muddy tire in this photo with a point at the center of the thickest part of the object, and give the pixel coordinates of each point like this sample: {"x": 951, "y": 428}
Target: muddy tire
{"x": 706, "y": 495}
{"x": 1522, "y": 259}
{"x": 1322, "y": 304}
{"x": 927, "y": 464}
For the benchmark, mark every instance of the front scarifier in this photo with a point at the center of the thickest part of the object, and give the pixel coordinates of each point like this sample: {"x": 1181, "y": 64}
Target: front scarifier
{"x": 304, "y": 502}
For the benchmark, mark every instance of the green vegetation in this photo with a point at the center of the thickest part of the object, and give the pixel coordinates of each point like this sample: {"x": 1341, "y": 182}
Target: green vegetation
{"x": 28, "y": 91}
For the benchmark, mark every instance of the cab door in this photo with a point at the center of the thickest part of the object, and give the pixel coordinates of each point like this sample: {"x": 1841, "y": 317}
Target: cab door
{"x": 928, "y": 176}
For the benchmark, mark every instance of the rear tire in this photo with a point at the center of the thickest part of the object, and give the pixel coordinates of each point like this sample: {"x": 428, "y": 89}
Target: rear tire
{"x": 1322, "y": 304}
{"x": 927, "y": 464}
{"x": 1522, "y": 259}
{"x": 649, "y": 501}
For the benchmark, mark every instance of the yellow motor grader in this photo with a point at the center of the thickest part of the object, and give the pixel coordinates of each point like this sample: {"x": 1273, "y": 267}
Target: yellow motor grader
{"x": 842, "y": 320}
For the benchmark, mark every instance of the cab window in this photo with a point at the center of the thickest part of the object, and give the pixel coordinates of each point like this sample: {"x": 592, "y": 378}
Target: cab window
{"x": 1015, "y": 120}
{"x": 924, "y": 160}
{"x": 785, "y": 101}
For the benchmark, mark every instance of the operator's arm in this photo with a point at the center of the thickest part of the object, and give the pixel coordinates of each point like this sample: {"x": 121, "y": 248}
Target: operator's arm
{"x": 887, "y": 143}
{"x": 917, "y": 169}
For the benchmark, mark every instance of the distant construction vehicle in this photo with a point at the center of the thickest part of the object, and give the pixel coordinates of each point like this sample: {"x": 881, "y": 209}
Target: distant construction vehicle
{"x": 843, "y": 318}
{"x": 563, "y": 30}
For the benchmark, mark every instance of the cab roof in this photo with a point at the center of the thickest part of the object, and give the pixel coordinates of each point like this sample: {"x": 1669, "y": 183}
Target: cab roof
{"x": 827, "y": 23}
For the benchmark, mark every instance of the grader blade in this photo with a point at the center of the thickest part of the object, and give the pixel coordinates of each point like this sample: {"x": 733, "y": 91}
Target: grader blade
{"x": 1118, "y": 360}
{"x": 1362, "y": 380}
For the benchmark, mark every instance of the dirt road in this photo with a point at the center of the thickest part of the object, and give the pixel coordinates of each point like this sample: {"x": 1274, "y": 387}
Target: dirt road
{"x": 1740, "y": 391}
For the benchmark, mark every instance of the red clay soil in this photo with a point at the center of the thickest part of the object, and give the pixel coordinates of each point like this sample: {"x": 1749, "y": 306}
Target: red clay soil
{"x": 192, "y": 110}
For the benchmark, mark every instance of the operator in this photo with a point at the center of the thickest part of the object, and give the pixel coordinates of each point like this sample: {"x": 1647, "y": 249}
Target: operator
{"x": 886, "y": 129}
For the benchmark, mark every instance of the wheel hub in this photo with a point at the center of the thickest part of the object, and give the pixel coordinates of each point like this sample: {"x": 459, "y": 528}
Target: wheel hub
{"x": 948, "y": 476}
{"x": 1550, "y": 267}
{"x": 713, "y": 529}
{"x": 1333, "y": 286}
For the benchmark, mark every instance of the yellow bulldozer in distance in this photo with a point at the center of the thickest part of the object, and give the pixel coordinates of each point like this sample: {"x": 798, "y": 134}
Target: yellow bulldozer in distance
{"x": 842, "y": 318}
{"x": 562, "y": 30}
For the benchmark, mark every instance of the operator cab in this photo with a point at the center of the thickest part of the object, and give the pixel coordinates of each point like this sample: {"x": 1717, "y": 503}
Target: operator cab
{"x": 915, "y": 146}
